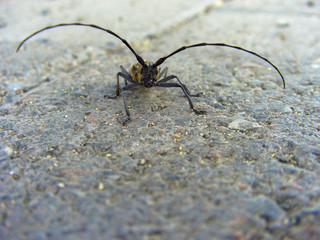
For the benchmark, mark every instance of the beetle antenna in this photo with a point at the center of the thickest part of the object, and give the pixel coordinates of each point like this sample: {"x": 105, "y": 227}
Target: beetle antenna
{"x": 139, "y": 58}
{"x": 161, "y": 60}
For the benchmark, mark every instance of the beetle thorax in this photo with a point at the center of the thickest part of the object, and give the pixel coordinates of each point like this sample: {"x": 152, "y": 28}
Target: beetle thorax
{"x": 144, "y": 75}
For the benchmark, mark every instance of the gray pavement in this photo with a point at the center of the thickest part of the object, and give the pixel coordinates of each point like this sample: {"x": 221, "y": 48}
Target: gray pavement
{"x": 248, "y": 169}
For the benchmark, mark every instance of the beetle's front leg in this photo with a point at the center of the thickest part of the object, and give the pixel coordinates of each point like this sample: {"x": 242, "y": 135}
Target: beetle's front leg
{"x": 126, "y": 77}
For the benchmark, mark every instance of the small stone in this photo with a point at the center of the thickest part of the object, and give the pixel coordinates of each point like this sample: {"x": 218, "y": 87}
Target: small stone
{"x": 7, "y": 151}
{"x": 283, "y": 23}
{"x": 241, "y": 124}
{"x": 100, "y": 186}
{"x": 266, "y": 208}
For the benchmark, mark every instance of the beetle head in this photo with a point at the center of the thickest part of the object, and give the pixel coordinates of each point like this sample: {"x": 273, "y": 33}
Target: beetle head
{"x": 146, "y": 75}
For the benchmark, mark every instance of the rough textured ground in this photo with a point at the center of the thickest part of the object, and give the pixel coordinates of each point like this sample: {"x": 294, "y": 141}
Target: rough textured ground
{"x": 248, "y": 169}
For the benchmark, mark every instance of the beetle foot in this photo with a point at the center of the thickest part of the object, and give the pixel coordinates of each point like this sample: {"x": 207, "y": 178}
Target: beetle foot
{"x": 199, "y": 112}
{"x": 123, "y": 120}
{"x": 110, "y": 97}
{"x": 199, "y": 94}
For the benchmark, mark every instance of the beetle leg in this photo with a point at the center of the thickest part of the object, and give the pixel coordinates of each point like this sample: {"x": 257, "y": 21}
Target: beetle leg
{"x": 125, "y": 75}
{"x": 168, "y": 78}
{"x": 123, "y": 89}
{"x": 164, "y": 83}
{"x": 163, "y": 73}
{"x": 124, "y": 71}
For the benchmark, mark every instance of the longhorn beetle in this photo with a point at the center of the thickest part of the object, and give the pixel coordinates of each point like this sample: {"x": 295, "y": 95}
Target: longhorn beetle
{"x": 146, "y": 73}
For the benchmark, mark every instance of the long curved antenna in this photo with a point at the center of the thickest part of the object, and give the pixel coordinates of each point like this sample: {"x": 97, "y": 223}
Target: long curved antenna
{"x": 140, "y": 59}
{"x": 161, "y": 60}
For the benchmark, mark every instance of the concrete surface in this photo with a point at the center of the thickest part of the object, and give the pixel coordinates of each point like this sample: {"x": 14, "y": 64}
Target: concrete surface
{"x": 248, "y": 169}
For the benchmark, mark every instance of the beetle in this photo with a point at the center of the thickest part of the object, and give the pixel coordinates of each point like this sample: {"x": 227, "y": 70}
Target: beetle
{"x": 147, "y": 73}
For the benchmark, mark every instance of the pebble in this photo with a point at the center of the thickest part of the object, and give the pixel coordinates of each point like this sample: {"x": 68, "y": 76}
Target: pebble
{"x": 241, "y": 124}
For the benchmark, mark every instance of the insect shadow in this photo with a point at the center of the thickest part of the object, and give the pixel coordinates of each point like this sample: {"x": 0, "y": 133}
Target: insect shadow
{"x": 147, "y": 73}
